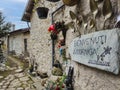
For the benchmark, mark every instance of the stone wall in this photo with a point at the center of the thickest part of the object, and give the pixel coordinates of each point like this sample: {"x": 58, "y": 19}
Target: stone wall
{"x": 41, "y": 48}
{"x": 86, "y": 78}
{"x": 16, "y": 43}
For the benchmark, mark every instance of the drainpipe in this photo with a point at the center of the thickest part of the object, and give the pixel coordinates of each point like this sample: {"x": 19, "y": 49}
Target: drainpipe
{"x": 53, "y": 43}
{"x": 28, "y": 25}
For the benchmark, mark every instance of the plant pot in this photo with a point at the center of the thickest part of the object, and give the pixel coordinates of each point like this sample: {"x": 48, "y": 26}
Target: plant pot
{"x": 70, "y": 2}
{"x": 42, "y": 75}
{"x": 42, "y": 12}
{"x": 53, "y": 0}
{"x": 57, "y": 71}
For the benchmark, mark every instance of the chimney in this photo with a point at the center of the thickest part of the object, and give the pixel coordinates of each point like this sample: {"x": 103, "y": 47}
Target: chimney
{"x": 12, "y": 28}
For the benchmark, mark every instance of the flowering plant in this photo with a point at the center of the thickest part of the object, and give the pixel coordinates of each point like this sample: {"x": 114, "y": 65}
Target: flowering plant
{"x": 55, "y": 85}
{"x": 53, "y": 31}
{"x": 55, "y": 28}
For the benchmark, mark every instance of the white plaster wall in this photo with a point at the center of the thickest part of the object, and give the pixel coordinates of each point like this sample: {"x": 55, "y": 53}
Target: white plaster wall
{"x": 16, "y": 42}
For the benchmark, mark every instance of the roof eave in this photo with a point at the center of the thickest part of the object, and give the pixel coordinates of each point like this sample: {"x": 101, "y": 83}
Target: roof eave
{"x": 28, "y": 11}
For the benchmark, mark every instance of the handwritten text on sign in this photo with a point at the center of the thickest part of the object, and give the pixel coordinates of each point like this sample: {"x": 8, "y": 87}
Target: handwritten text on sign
{"x": 99, "y": 49}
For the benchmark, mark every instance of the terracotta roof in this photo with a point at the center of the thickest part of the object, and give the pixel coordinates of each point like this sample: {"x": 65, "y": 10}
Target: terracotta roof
{"x": 28, "y": 11}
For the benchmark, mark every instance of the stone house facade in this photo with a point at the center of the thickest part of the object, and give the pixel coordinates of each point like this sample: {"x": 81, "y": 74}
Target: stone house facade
{"x": 18, "y": 42}
{"x": 86, "y": 78}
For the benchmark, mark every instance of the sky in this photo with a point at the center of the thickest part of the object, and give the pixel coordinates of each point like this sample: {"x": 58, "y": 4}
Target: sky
{"x": 13, "y": 11}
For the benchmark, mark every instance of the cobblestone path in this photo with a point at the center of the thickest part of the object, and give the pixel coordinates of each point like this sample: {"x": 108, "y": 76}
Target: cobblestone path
{"x": 18, "y": 80}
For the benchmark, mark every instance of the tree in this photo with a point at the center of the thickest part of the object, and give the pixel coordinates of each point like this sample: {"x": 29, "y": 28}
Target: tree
{"x": 4, "y": 26}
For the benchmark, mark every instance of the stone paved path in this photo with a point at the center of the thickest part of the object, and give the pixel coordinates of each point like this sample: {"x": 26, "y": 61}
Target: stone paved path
{"x": 19, "y": 80}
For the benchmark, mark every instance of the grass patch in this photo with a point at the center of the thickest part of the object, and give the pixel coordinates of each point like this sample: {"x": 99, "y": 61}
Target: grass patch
{"x": 13, "y": 62}
{"x": 10, "y": 63}
{"x": 19, "y": 62}
{"x": 5, "y": 74}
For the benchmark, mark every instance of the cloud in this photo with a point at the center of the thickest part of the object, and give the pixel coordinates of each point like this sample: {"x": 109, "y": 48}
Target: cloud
{"x": 20, "y": 24}
{"x": 1, "y": 9}
{"x": 13, "y": 10}
{"x": 19, "y": 1}
{"x": 14, "y": 17}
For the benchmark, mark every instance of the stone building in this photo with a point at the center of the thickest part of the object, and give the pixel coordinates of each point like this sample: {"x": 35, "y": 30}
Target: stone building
{"x": 18, "y": 42}
{"x": 82, "y": 19}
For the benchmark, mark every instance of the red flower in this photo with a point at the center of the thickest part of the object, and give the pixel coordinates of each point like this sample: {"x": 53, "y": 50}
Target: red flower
{"x": 52, "y": 29}
{"x": 63, "y": 86}
{"x": 57, "y": 88}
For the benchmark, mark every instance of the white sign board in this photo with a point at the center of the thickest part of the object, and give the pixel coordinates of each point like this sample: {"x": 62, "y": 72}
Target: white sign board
{"x": 98, "y": 49}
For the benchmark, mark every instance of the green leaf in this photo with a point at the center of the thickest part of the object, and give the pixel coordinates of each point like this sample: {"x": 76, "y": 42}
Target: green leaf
{"x": 107, "y": 9}
{"x": 4, "y": 26}
{"x": 92, "y": 23}
{"x": 72, "y": 15}
{"x": 93, "y": 7}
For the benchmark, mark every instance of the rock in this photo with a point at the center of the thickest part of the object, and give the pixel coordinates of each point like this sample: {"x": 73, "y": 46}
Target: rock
{"x": 24, "y": 79}
{"x": 24, "y": 82}
{"x": 8, "y": 67}
{"x": 20, "y": 88}
{"x": 42, "y": 75}
{"x": 6, "y": 78}
{"x": 5, "y": 86}
{"x": 1, "y": 84}
{"x": 24, "y": 85}
{"x": 33, "y": 73}
{"x": 7, "y": 83}
{"x": 37, "y": 86}
{"x": 19, "y": 70}
{"x": 30, "y": 82}
{"x": 15, "y": 83}
{"x": 1, "y": 77}
{"x": 11, "y": 77}
{"x": 13, "y": 68}
{"x": 27, "y": 88}
{"x": 20, "y": 75}
{"x": 10, "y": 89}
{"x": 3, "y": 67}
